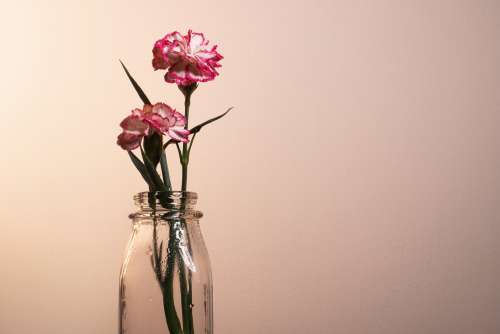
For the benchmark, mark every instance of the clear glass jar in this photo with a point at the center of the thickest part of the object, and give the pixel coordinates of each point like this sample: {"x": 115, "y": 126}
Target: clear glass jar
{"x": 166, "y": 280}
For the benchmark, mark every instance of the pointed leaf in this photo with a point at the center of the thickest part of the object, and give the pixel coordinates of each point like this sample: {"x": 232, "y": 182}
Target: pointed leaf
{"x": 191, "y": 144}
{"x": 170, "y": 141}
{"x": 153, "y": 174}
{"x": 160, "y": 250}
{"x": 138, "y": 88}
{"x": 164, "y": 170}
{"x": 200, "y": 126}
{"x": 153, "y": 147}
{"x": 140, "y": 167}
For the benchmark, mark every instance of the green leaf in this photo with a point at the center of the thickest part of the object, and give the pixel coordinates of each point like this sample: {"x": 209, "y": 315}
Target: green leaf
{"x": 152, "y": 197}
{"x": 191, "y": 144}
{"x": 160, "y": 252}
{"x": 138, "y": 88}
{"x": 170, "y": 141}
{"x": 153, "y": 174}
{"x": 153, "y": 147}
{"x": 200, "y": 126}
{"x": 164, "y": 170}
{"x": 179, "y": 151}
{"x": 141, "y": 168}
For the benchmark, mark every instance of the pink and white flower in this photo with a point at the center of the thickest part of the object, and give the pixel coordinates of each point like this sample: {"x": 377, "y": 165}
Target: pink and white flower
{"x": 134, "y": 129}
{"x": 160, "y": 118}
{"x": 188, "y": 59}
{"x": 166, "y": 120}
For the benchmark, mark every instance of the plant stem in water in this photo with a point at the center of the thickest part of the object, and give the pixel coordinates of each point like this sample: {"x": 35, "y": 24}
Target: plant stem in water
{"x": 173, "y": 323}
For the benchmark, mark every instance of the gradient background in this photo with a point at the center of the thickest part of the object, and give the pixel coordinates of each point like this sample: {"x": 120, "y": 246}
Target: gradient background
{"x": 354, "y": 189}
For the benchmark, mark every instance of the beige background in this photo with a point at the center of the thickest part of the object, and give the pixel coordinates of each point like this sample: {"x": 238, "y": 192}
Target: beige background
{"x": 354, "y": 189}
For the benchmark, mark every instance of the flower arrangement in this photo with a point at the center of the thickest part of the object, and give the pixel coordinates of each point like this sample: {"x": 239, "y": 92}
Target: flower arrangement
{"x": 187, "y": 60}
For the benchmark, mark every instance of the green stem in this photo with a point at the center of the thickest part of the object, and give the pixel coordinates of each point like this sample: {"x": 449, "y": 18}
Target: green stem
{"x": 166, "y": 281}
{"x": 156, "y": 257}
{"x": 190, "y": 294}
{"x": 184, "y": 298}
{"x": 185, "y": 153}
{"x": 173, "y": 323}
{"x": 186, "y": 289}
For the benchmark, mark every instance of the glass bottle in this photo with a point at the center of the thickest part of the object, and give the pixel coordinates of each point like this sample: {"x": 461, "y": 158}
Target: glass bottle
{"x": 166, "y": 280}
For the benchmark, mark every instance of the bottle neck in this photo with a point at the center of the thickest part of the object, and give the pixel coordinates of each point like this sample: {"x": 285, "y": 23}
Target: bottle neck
{"x": 167, "y": 205}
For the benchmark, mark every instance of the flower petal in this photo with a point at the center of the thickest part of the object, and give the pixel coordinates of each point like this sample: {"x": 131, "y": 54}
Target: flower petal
{"x": 129, "y": 141}
{"x": 157, "y": 123}
{"x": 135, "y": 125}
{"x": 179, "y": 134}
{"x": 162, "y": 109}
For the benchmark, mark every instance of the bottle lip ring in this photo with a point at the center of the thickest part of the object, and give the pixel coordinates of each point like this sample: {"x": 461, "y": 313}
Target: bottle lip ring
{"x": 166, "y": 205}
{"x": 176, "y": 194}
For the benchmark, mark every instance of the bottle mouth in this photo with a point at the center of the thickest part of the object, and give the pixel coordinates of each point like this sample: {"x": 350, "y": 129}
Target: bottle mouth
{"x": 167, "y": 204}
{"x": 146, "y": 197}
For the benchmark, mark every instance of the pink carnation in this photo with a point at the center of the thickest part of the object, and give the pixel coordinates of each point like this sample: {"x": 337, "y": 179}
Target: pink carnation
{"x": 166, "y": 120}
{"x": 188, "y": 59}
{"x": 159, "y": 118}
